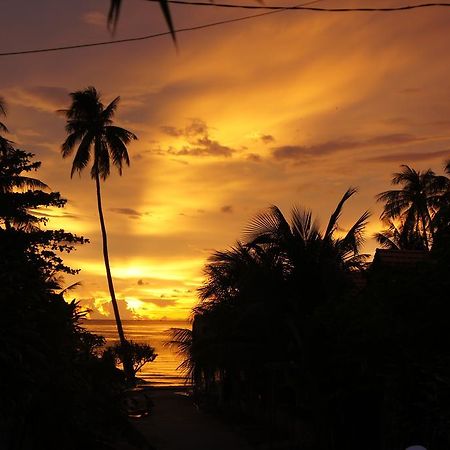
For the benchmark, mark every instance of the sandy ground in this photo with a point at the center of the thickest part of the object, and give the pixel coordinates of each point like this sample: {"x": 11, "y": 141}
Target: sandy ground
{"x": 176, "y": 424}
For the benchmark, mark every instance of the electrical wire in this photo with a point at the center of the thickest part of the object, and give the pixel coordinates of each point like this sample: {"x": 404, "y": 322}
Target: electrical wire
{"x": 272, "y": 10}
{"x": 307, "y": 8}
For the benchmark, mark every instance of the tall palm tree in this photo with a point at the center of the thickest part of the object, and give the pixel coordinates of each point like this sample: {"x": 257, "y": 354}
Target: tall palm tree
{"x": 91, "y": 132}
{"x": 415, "y": 204}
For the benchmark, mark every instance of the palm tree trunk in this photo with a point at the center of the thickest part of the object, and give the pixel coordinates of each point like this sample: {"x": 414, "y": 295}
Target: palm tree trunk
{"x": 424, "y": 230}
{"x": 127, "y": 367}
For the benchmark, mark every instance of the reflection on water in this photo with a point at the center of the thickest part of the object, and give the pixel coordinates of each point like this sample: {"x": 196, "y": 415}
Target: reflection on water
{"x": 163, "y": 370}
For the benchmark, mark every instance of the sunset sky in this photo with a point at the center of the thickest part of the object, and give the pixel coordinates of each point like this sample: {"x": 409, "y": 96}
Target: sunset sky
{"x": 291, "y": 108}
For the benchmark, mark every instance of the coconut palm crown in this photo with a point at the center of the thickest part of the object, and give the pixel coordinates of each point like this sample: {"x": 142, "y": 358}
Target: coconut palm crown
{"x": 414, "y": 204}
{"x": 90, "y": 129}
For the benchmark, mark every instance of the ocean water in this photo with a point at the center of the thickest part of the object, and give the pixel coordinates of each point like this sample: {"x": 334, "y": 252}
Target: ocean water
{"x": 163, "y": 371}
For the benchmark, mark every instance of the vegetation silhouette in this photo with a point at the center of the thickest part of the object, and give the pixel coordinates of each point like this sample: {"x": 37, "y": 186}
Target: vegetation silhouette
{"x": 92, "y": 133}
{"x": 4, "y": 143}
{"x": 416, "y": 208}
{"x": 114, "y": 14}
{"x": 140, "y": 354}
{"x": 296, "y": 331}
{"x": 3, "y": 127}
{"x": 57, "y": 392}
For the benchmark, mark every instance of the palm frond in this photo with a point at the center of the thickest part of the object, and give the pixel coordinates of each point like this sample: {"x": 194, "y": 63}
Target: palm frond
{"x": 70, "y": 142}
{"x": 82, "y": 155}
{"x": 2, "y": 106}
{"x": 114, "y": 14}
{"x": 267, "y": 226}
{"x": 386, "y": 240}
{"x": 332, "y": 224}
{"x": 354, "y": 238}
{"x": 71, "y": 287}
{"x": 109, "y": 111}
{"x": 303, "y": 225}
{"x": 180, "y": 338}
{"x": 117, "y": 138}
{"x": 27, "y": 182}
{"x": 123, "y": 134}
{"x": 3, "y": 113}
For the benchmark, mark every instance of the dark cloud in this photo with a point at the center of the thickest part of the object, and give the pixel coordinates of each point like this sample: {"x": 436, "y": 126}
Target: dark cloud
{"x": 171, "y": 131}
{"x": 406, "y": 157}
{"x": 196, "y": 127}
{"x": 289, "y": 152}
{"x": 227, "y": 209}
{"x": 412, "y": 90}
{"x": 204, "y": 147}
{"x": 440, "y": 123}
{"x": 254, "y": 157}
{"x": 132, "y": 213}
{"x": 46, "y": 98}
{"x": 267, "y": 138}
{"x": 161, "y": 302}
{"x": 62, "y": 215}
{"x": 391, "y": 139}
{"x": 297, "y": 151}
{"x": 398, "y": 121}
{"x": 200, "y": 143}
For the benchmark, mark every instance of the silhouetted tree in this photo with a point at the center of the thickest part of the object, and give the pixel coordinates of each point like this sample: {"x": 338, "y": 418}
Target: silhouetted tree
{"x": 3, "y": 113}
{"x": 55, "y": 391}
{"x": 255, "y": 326}
{"x": 302, "y": 235}
{"x": 139, "y": 353}
{"x": 92, "y": 133}
{"x": 414, "y": 205}
{"x": 4, "y": 143}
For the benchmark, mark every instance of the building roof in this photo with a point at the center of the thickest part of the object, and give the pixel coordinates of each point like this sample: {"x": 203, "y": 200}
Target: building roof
{"x": 398, "y": 258}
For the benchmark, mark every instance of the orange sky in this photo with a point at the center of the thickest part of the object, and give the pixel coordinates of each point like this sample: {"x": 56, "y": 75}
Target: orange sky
{"x": 287, "y": 109}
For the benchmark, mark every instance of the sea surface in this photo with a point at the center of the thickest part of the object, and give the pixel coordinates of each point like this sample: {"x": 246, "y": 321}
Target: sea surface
{"x": 163, "y": 371}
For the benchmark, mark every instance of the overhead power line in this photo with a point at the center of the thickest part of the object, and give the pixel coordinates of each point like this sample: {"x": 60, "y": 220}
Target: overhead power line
{"x": 272, "y": 10}
{"x": 307, "y": 8}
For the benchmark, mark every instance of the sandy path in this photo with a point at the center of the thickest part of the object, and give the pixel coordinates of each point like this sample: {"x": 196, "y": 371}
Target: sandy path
{"x": 175, "y": 424}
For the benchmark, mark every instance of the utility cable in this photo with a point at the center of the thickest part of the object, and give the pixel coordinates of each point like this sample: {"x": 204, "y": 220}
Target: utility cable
{"x": 307, "y": 8}
{"x": 272, "y": 10}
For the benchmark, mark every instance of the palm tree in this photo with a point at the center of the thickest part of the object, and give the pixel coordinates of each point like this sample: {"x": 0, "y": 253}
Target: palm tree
{"x": 302, "y": 236}
{"x": 3, "y": 113}
{"x": 91, "y": 132}
{"x": 5, "y": 145}
{"x": 415, "y": 204}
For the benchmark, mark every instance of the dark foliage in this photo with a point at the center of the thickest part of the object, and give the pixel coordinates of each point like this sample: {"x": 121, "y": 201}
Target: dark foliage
{"x": 56, "y": 393}
{"x": 139, "y": 354}
{"x": 294, "y": 331}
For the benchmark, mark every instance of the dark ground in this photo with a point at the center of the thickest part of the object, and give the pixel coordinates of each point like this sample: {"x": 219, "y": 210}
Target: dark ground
{"x": 176, "y": 424}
